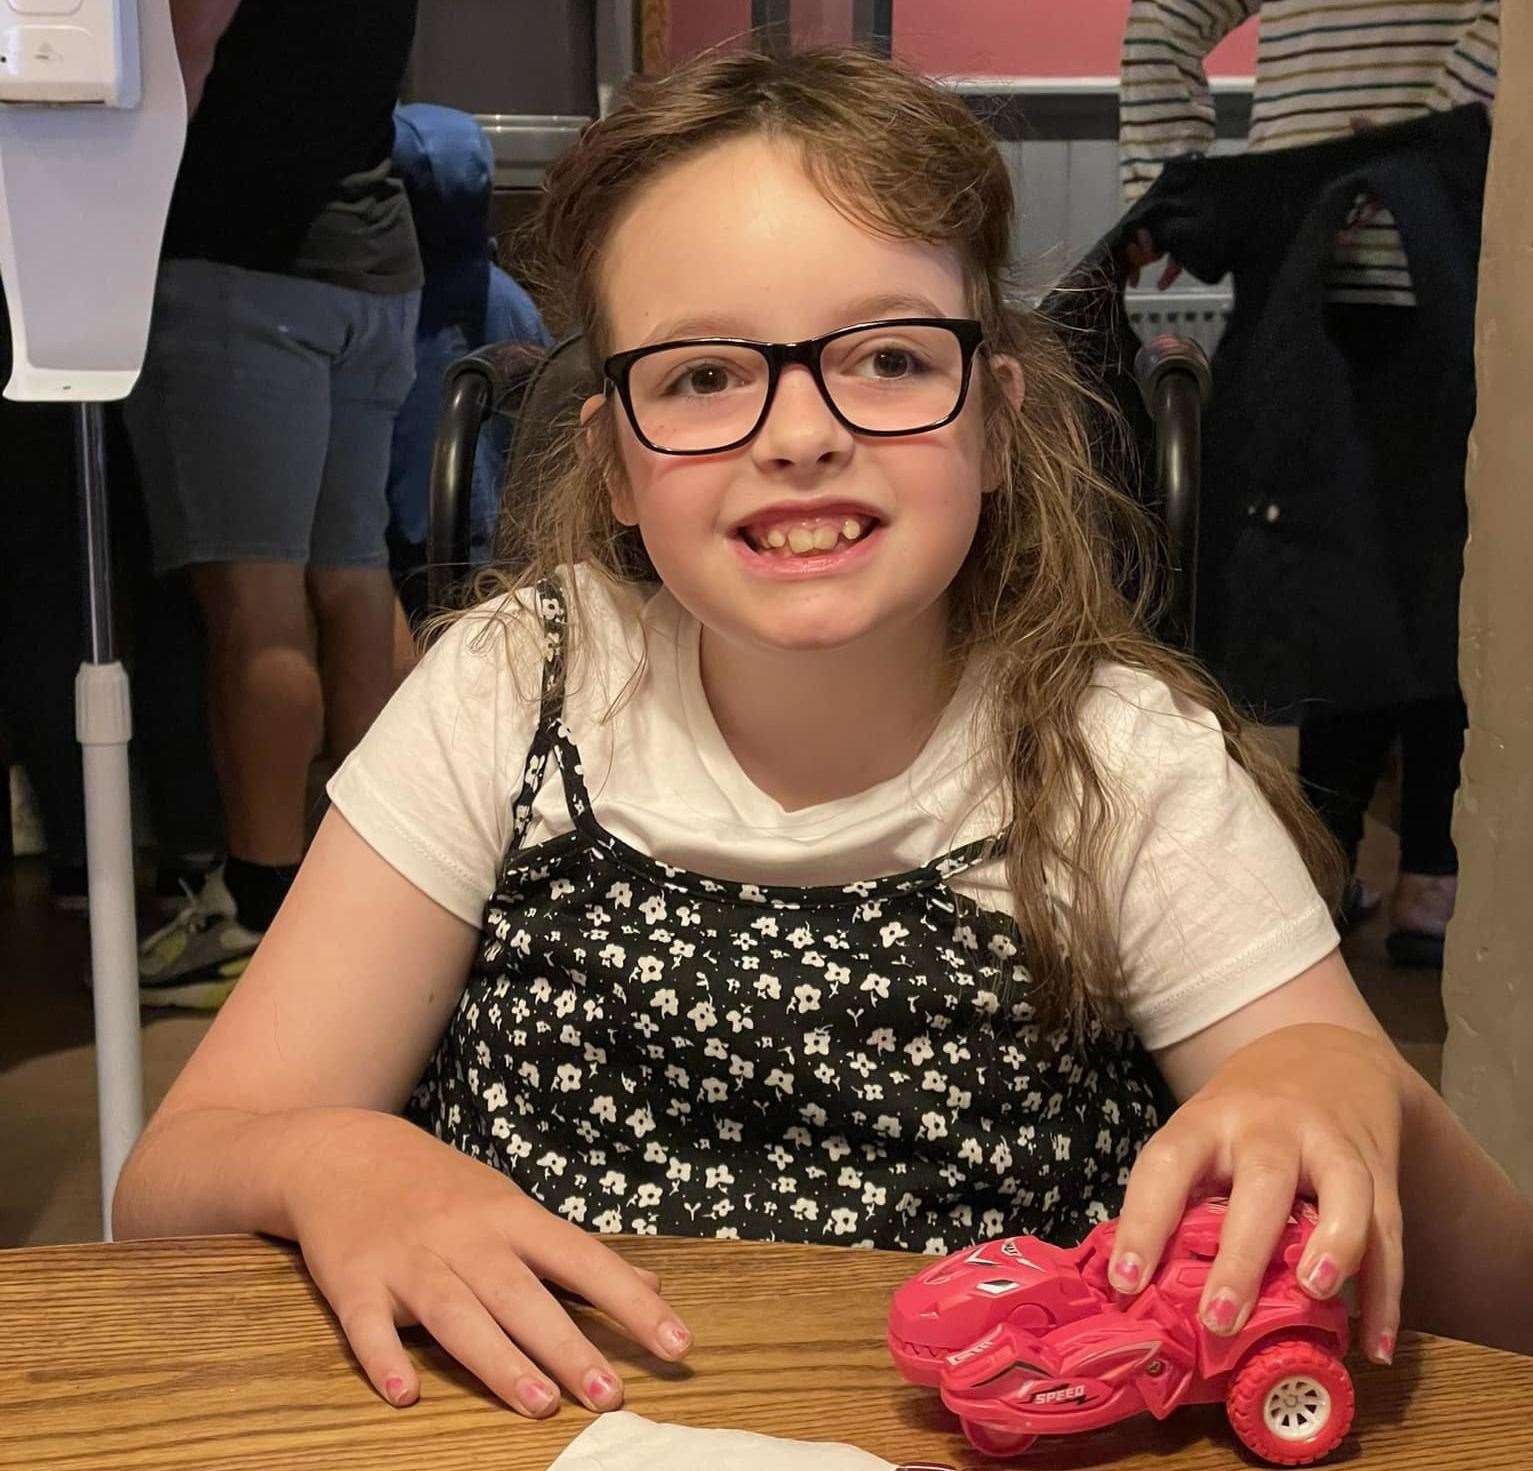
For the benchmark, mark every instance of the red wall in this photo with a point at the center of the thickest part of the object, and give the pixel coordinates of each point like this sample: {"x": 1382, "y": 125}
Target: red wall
{"x": 1033, "y": 38}
{"x": 696, "y": 24}
{"x": 1007, "y": 38}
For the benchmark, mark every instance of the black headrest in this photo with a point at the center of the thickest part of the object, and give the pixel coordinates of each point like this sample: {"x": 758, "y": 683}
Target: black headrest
{"x": 539, "y": 394}
{"x": 543, "y": 392}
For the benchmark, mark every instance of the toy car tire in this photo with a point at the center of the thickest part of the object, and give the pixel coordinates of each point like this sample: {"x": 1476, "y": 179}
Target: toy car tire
{"x": 1291, "y": 1402}
{"x": 992, "y": 1442}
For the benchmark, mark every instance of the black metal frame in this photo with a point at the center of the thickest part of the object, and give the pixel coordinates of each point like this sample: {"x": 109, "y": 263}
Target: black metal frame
{"x": 1174, "y": 380}
{"x": 465, "y": 406}
{"x": 493, "y": 380}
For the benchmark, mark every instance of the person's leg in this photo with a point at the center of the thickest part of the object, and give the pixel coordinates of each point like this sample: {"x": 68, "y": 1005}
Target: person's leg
{"x": 1432, "y": 737}
{"x": 231, "y": 427}
{"x": 172, "y": 751}
{"x": 1341, "y": 754}
{"x": 357, "y": 615}
{"x": 171, "y": 714}
{"x": 361, "y": 627}
{"x": 265, "y": 702}
{"x": 265, "y": 720}
{"x": 407, "y": 650}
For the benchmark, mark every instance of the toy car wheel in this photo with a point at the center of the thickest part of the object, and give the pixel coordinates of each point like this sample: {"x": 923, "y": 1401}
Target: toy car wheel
{"x": 1291, "y": 1402}
{"x": 995, "y": 1442}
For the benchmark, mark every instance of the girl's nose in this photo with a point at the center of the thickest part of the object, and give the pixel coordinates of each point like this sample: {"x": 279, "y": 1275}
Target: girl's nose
{"x": 800, "y": 429}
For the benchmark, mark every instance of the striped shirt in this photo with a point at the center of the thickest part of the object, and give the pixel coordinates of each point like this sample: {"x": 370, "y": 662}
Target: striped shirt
{"x": 1319, "y": 65}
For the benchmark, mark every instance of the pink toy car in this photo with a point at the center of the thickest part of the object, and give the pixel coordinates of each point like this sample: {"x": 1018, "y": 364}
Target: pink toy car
{"x": 1024, "y": 1339}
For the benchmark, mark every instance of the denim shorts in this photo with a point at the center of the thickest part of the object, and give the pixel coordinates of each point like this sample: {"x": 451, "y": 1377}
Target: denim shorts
{"x": 263, "y": 419}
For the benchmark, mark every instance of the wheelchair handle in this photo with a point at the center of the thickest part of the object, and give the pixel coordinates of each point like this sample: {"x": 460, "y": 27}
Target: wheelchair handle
{"x": 1174, "y": 380}
{"x": 495, "y": 380}
{"x": 466, "y": 398}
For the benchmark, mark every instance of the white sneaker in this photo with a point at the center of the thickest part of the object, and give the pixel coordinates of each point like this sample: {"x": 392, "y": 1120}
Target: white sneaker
{"x": 194, "y": 961}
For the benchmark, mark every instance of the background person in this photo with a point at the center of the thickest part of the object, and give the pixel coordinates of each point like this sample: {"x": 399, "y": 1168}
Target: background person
{"x": 281, "y": 348}
{"x": 1327, "y": 69}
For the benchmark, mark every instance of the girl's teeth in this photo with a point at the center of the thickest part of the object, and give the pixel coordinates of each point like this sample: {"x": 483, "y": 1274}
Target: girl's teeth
{"x": 801, "y": 540}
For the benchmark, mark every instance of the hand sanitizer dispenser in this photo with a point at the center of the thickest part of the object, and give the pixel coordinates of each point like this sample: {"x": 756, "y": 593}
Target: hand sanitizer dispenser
{"x": 69, "y": 51}
{"x": 92, "y": 123}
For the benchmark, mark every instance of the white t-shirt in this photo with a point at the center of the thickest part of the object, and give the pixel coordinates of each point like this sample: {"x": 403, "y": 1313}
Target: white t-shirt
{"x": 1214, "y": 906}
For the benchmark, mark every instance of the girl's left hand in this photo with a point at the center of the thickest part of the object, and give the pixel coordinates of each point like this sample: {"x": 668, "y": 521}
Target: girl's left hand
{"x": 1305, "y": 1110}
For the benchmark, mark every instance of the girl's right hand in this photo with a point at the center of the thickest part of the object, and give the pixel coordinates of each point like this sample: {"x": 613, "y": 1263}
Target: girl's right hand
{"x": 398, "y": 1228}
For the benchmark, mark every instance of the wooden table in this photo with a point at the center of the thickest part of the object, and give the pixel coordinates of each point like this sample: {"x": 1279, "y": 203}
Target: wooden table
{"x": 219, "y": 1354}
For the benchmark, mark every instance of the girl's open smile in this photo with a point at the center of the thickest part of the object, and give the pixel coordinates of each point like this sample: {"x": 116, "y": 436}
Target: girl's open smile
{"x": 796, "y": 541}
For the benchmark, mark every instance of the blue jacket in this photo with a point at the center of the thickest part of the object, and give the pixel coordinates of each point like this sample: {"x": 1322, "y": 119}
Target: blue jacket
{"x": 444, "y": 159}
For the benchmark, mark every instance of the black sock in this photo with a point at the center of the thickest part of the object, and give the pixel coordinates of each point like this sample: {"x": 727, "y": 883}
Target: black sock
{"x": 177, "y": 873}
{"x": 258, "y": 889}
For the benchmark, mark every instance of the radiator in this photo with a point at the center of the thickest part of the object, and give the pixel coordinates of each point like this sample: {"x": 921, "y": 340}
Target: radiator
{"x": 1200, "y": 315}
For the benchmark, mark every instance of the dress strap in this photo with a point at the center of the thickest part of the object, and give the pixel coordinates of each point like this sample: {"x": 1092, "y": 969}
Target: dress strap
{"x": 554, "y": 620}
{"x": 554, "y": 742}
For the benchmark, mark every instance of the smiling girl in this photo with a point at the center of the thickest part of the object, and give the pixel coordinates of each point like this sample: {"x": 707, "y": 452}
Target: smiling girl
{"x": 810, "y": 842}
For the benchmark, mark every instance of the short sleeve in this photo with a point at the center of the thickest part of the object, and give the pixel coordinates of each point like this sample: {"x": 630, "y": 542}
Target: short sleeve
{"x": 1216, "y": 908}
{"x": 431, "y": 786}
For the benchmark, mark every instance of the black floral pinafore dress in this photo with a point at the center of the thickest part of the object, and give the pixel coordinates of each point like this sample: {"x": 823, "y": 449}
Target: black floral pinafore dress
{"x": 647, "y": 1050}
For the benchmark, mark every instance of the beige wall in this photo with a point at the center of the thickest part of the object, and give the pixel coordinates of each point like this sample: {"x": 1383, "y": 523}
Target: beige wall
{"x": 1488, "y": 984}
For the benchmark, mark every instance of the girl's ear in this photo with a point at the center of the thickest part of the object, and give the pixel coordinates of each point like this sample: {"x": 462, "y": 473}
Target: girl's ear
{"x": 621, "y": 500}
{"x": 1008, "y": 372}
{"x": 619, "y": 497}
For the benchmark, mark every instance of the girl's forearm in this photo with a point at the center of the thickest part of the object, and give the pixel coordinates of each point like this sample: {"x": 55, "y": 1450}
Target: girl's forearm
{"x": 207, "y": 1172}
{"x": 1468, "y": 1233}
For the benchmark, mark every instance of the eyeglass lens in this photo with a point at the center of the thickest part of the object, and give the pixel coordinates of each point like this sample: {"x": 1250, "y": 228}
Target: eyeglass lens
{"x": 897, "y": 379}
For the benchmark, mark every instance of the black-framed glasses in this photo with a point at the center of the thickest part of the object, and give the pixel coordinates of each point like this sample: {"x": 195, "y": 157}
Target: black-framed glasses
{"x": 705, "y": 395}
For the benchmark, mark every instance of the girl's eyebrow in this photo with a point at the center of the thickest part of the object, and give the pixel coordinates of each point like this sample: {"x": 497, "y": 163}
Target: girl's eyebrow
{"x": 863, "y": 309}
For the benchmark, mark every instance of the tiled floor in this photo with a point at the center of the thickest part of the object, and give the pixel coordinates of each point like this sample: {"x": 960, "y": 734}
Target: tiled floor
{"x": 49, "y": 1190}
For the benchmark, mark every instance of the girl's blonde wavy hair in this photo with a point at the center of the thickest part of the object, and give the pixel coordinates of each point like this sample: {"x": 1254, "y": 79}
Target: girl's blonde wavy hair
{"x": 1063, "y": 574}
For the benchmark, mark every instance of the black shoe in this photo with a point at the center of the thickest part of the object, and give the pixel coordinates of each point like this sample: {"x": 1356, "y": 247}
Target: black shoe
{"x": 1415, "y": 949}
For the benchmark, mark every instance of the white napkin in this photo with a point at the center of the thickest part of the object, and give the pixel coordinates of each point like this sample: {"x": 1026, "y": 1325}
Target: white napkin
{"x": 621, "y": 1441}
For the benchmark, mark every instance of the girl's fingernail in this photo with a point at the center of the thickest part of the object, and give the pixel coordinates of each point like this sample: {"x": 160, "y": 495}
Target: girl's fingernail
{"x": 394, "y": 1388}
{"x": 1384, "y": 1350}
{"x": 537, "y": 1395}
{"x": 1127, "y": 1271}
{"x": 1324, "y": 1277}
{"x": 602, "y": 1390}
{"x": 1221, "y": 1313}
{"x": 674, "y": 1338}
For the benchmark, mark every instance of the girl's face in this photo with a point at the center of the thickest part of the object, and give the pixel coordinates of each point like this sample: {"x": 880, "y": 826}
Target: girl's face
{"x": 738, "y": 242}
